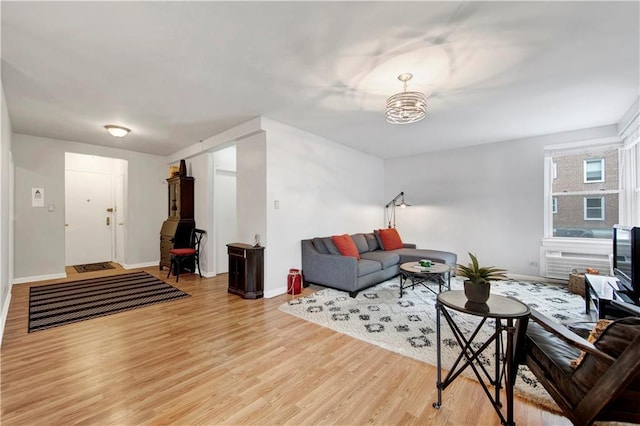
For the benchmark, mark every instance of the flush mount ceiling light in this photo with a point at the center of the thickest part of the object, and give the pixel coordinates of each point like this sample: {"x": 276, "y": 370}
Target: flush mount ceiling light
{"x": 117, "y": 131}
{"x": 406, "y": 107}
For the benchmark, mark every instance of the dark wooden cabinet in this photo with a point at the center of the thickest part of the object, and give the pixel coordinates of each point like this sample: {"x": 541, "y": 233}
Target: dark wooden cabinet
{"x": 180, "y": 198}
{"x": 246, "y": 270}
{"x": 176, "y": 230}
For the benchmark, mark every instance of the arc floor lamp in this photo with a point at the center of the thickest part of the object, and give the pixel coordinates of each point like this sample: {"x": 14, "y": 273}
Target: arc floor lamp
{"x": 390, "y": 209}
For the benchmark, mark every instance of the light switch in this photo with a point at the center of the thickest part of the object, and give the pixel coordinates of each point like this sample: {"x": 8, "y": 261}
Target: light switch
{"x": 51, "y": 208}
{"x": 276, "y": 204}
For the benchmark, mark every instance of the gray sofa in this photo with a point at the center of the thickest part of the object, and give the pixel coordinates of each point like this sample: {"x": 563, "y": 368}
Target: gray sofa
{"x": 323, "y": 264}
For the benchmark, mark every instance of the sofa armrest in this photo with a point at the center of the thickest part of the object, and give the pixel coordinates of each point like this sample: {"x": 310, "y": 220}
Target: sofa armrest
{"x": 328, "y": 269}
{"x": 567, "y": 335}
{"x": 409, "y": 245}
{"x": 610, "y": 384}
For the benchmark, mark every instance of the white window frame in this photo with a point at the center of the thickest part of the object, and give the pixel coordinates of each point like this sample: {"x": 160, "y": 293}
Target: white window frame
{"x": 601, "y": 208}
{"x": 593, "y": 160}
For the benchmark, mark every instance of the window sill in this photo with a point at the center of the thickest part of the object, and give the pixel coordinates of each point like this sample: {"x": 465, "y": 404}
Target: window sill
{"x": 566, "y": 242}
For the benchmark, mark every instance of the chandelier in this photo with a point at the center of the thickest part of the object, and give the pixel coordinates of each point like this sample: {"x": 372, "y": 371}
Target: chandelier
{"x": 406, "y": 107}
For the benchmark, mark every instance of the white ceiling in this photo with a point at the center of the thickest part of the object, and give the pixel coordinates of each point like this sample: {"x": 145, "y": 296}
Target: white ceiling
{"x": 180, "y": 72}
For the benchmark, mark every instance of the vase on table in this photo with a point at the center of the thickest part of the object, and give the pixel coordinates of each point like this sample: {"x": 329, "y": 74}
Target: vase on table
{"x": 477, "y": 292}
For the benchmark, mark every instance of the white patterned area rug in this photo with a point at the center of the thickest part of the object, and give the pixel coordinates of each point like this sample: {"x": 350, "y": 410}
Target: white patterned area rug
{"x": 407, "y": 325}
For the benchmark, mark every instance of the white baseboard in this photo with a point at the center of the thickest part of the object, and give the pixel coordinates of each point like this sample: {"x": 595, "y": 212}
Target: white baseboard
{"x": 140, "y": 265}
{"x": 276, "y": 292}
{"x": 38, "y": 278}
{"x": 5, "y": 313}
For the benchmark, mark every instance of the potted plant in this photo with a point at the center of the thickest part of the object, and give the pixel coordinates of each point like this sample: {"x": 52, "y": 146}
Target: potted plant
{"x": 477, "y": 284}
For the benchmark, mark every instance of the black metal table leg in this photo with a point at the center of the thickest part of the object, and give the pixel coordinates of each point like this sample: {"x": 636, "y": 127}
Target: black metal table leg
{"x": 438, "y": 362}
{"x": 499, "y": 308}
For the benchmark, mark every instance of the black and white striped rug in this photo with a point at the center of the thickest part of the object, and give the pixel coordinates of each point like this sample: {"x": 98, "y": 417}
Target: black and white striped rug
{"x": 58, "y": 304}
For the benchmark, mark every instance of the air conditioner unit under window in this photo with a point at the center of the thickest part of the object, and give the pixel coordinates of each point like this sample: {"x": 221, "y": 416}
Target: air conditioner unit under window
{"x": 559, "y": 263}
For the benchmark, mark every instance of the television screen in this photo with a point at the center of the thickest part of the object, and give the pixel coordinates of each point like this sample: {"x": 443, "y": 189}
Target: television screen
{"x": 623, "y": 251}
{"x": 626, "y": 265}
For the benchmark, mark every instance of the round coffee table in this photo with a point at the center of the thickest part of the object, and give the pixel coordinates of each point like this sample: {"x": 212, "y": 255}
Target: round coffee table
{"x": 438, "y": 273}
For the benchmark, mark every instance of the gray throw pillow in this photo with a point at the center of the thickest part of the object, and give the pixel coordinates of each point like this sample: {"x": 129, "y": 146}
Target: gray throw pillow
{"x": 378, "y": 239}
{"x": 361, "y": 243}
{"x": 331, "y": 247}
{"x": 319, "y": 245}
{"x": 372, "y": 241}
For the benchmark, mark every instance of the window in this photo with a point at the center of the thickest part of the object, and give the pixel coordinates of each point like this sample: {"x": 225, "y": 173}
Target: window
{"x": 594, "y": 170}
{"x": 576, "y": 206}
{"x": 593, "y": 208}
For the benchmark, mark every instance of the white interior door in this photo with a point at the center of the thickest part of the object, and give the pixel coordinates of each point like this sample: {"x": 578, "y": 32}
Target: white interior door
{"x": 88, "y": 196}
{"x": 120, "y": 215}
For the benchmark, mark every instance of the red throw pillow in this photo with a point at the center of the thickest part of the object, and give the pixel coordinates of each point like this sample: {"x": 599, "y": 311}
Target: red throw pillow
{"x": 390, "y": 239}
{"x": 346, "y": 246}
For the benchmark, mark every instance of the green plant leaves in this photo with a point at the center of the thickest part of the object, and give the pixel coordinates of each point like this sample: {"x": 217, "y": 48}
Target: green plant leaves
{"x": 480, "y": 274}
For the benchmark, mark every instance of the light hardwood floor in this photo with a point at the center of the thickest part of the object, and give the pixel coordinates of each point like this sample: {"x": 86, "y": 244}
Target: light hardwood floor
{"x": 215, "y": 358}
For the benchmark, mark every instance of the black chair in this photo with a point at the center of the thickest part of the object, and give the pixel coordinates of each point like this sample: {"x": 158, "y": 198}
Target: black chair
{"x": 188, "y": 257}
{"x": 605, "y": 386}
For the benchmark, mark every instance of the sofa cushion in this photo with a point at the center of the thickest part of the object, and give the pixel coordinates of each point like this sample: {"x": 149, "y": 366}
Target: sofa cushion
{"x": 345, "y": 245}
{"x": 361, "y": 243}
{"x": 390, "y": 239}
{"x": 366, "y": 267}
{"x": 385, "y": 258}
{"x": 376, "y": 234}
{"x": 331, "y": 247}
{"x": 319, "y": 245}
{"x": 554, "y": 357}
{"x": 613, "y": 341}
{"x": 372, "y": 241}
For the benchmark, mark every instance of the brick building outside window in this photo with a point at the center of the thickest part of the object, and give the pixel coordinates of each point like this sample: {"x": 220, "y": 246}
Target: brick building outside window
{"x": 585, "y": 194}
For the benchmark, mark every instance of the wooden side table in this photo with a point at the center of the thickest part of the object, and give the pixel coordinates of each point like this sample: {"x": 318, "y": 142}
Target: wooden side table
{"x": 246, "y": 270}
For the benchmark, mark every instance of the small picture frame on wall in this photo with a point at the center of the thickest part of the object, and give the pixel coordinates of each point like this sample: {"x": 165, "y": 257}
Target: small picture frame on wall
{"x": 37, "y": 197}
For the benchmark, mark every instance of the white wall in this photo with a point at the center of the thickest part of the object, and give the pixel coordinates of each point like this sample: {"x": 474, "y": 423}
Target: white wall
{"x": 251, "y": 187}
{"x": 6, "y": 242}
{"x": 323, "y": 188}
{"x": 199, "y": 167}
{"x": 485, "y": 199}
{"x": 39, "y": 234}
{"x": 224, "y": 206}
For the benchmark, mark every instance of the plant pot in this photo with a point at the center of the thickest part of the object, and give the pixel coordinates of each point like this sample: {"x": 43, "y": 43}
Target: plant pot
{"x": 482, "y": 308}
{"x": 477, "y": 292}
